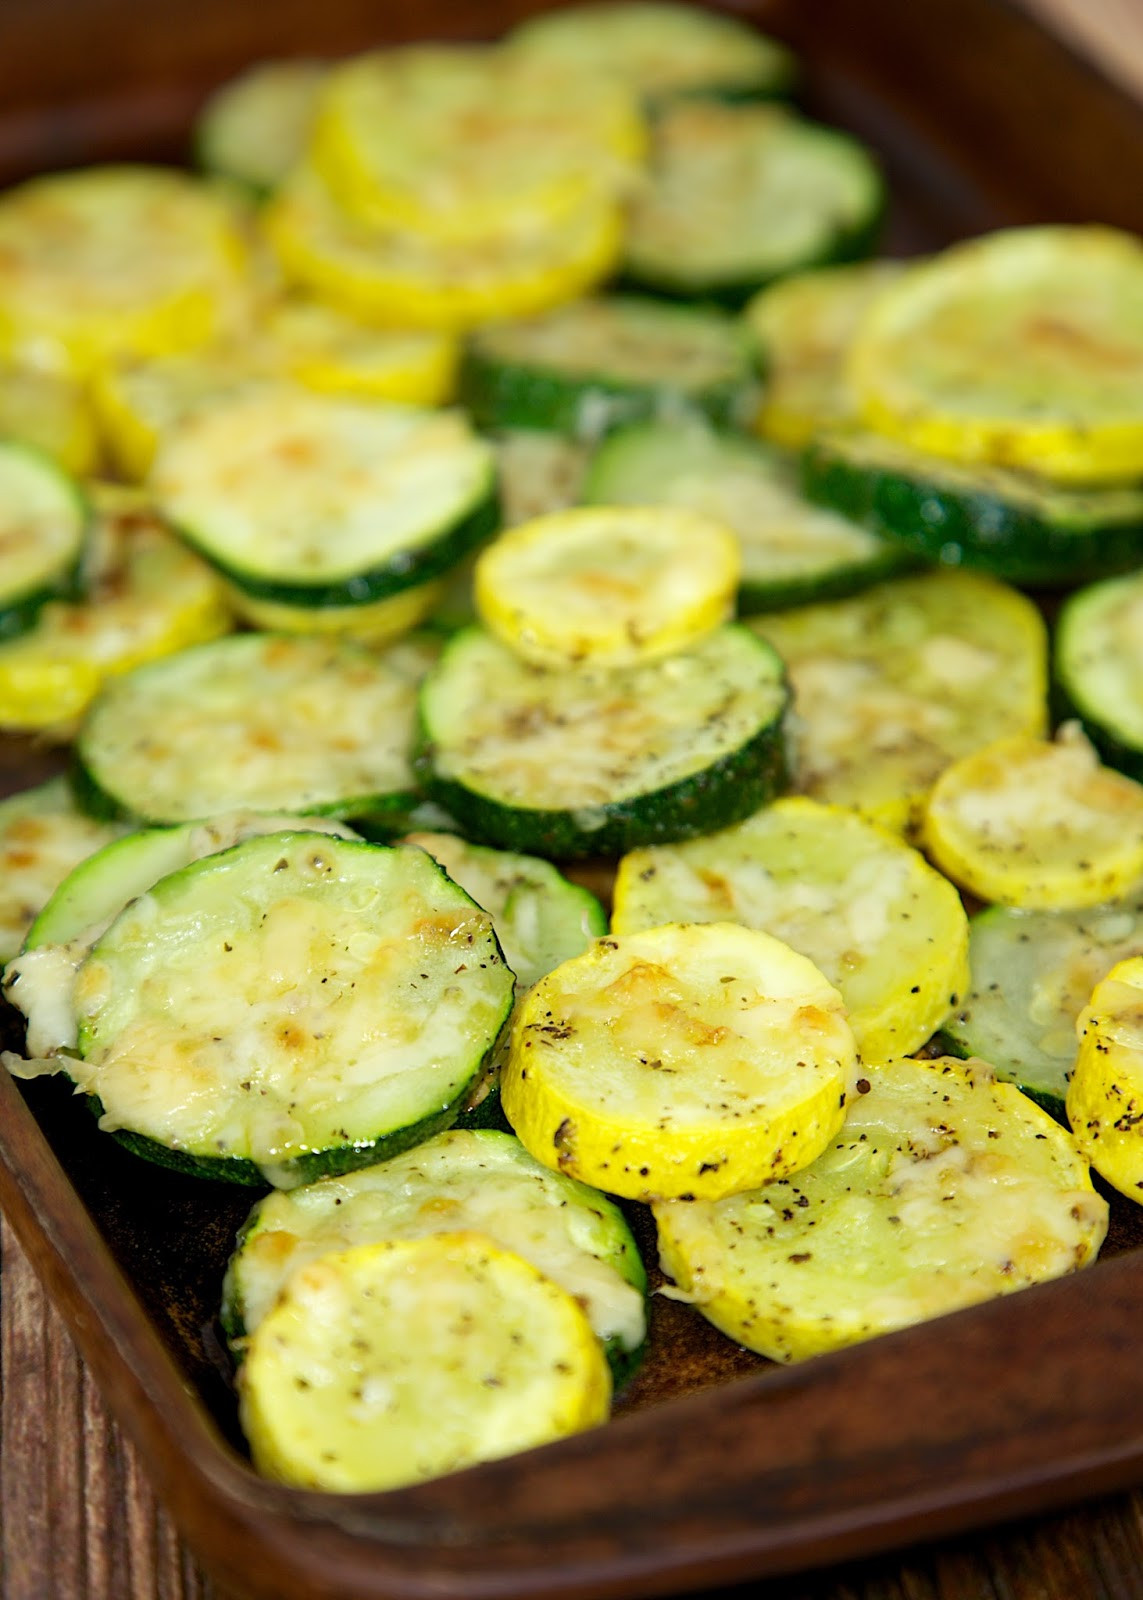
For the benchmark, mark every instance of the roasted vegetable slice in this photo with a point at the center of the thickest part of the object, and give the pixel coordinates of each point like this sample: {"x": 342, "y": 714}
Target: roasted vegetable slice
{"x": 1099, "y": 667}
{"x": 396, "y": 1362}
{"x": 686, "y": 1061}
{"x": 1105, "y": 1096}
{"x": 43, "y": 837}
{"x": 942, "y": 1189}
{"x": 255, "y": 128}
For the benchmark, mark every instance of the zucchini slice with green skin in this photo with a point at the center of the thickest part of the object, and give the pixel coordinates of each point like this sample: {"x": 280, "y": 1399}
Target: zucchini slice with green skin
{"x": 597, "y": 762}
{"x": 1032, "y": 974}
{"x": 589, "y": 366}
{"x": 886, "y": 930}
{"x": 540, "y": 918}
{"x": 1017, "y": 527}
{"x": 792, "y": 552}
{"x": 311, "y": 500}
{"x": 662, "y": 50}
{"x": 485, "y": 1182}
{"x": 684, "y": 1061}
{"x": 291, "y": 1008}
{"x": 255, "y": 721}
{"x": 893, "y": 684}
{"x": 43, "y": 528}
{"x": 397, "y": 1362}
{"x": 943, "y": 1189}
{"x": 43, "y": 838}
{"x": 40, "y": 982}
{"x": 254, "y": 129}
{"x": 739, "y": 195}
{"x": 1099, "y": 667}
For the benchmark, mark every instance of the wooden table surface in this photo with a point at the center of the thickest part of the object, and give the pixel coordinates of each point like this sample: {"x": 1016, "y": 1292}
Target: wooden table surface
{"x": 79, "y": 1521}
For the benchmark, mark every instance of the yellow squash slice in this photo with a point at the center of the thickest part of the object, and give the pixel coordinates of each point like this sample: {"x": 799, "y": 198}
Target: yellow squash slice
{"x": 1026, "y": 822}
{"x": 397, "y": 277}
{"x": 140, "y": 402}
{"x": 392, "y": 1363}
{"x": 43, "y": 836}
{"x": 460, "y": 142}
{"x": 804, "y": 326}
{"x": 146, "y": 597}
{"x": 893, "y": 685}
{"x": 683, "y": 1061}
{"x": 336, "y": 354}
{"x": 1022, "y": 349}
{"x": 887, "y": 931}
{"x": 943, "y": 1189}
{"x": 607, "y": 586}
{"x": 376, "y": 622}
{"x": 51, "y": 413}
{"x": 114, "y": 261}
{"x": 1105, "y": 1095}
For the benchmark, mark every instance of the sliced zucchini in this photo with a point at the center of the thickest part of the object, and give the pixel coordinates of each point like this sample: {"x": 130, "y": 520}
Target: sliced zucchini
{"x": 1026, "y": 822}
{"x": 1032, "y": 974}
{"x": 376, "y": 622}
{"x": 1105, "y": 1096}
{"x": 43, "y": 527}
{"x": 40, "y": 982}
{"x": 661, "y": 49}
{"x": 335, "y": 354}
{"x": 804, "y": 325}
{"x": 688, "y": 1062}
{"x": 1018, "y": 527}
{"x": 484, "y": 1182}
{"x": 943, "y": 1189}
{"x": 739, "y": 195}
{"x": 590, "y": 366}
{"x": 50, "y": 413}
{"x": 792, "y": 552}
{"x": 459, "y": 142}
{"x": 539, "y": 472}
{"x": 597, "y": 762}
{"x": 1099, "y": 667}
{"x": 43, "y": 836}
{"x": 540, "y": 918}
{"x": 894, "y": 684}
{"x": 1022, "y": 349}
{"x": 144, "y": 596}
{"x": 256, "y": 721}
{"x": 403, "y": 278}
{"x": 308, "y": 500}
{"x": 886, "y": 930}
{"x": 397, "y": 1362}
{"x": 254, "y": 129}
{"x": 139, "y": 402}
{"x": 291, "y": 1008}
{"x": 608, "y": 587}
{"x": 113, "y": 261}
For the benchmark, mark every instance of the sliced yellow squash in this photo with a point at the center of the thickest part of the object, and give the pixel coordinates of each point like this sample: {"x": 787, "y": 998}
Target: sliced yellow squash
{"x": 50, "y": 412}
{"x": 146, "y": 596}
{"x": 683, "y": 1061}
{"x": 804, "y": 326}
{"x": 43, "y": 836}
{"x": 392, "y": 1363}
{"x": 462, "y": 141}
{"x": 894, "y": 684}
{"x": 609, "y": 586}
{"x": 887, "y": 931}
{"x": 1024, "y": 349}
{"x": 944, "y": 1188}
{"x": 325, "y": 350}
{"x": 1105, "y": 1095}
{"x": 400, "y": 278}
{"x": 376, "y": 622}
{"x": 139, "y": 402}
{"x": 114, "y": 261}
{"x": 1027, "y": 822}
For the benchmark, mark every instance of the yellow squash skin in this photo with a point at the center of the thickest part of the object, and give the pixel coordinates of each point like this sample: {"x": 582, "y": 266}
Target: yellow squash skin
{"x": 683, "y": 1061}
{"x": 1105, "y": 1095}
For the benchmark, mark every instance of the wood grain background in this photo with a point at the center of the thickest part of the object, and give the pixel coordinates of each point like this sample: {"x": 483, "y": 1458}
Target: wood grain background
{"x": 78, "y": 1519}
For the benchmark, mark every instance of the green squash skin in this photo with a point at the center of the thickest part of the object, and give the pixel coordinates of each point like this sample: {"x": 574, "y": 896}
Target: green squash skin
{"x": 943, "y": 522}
